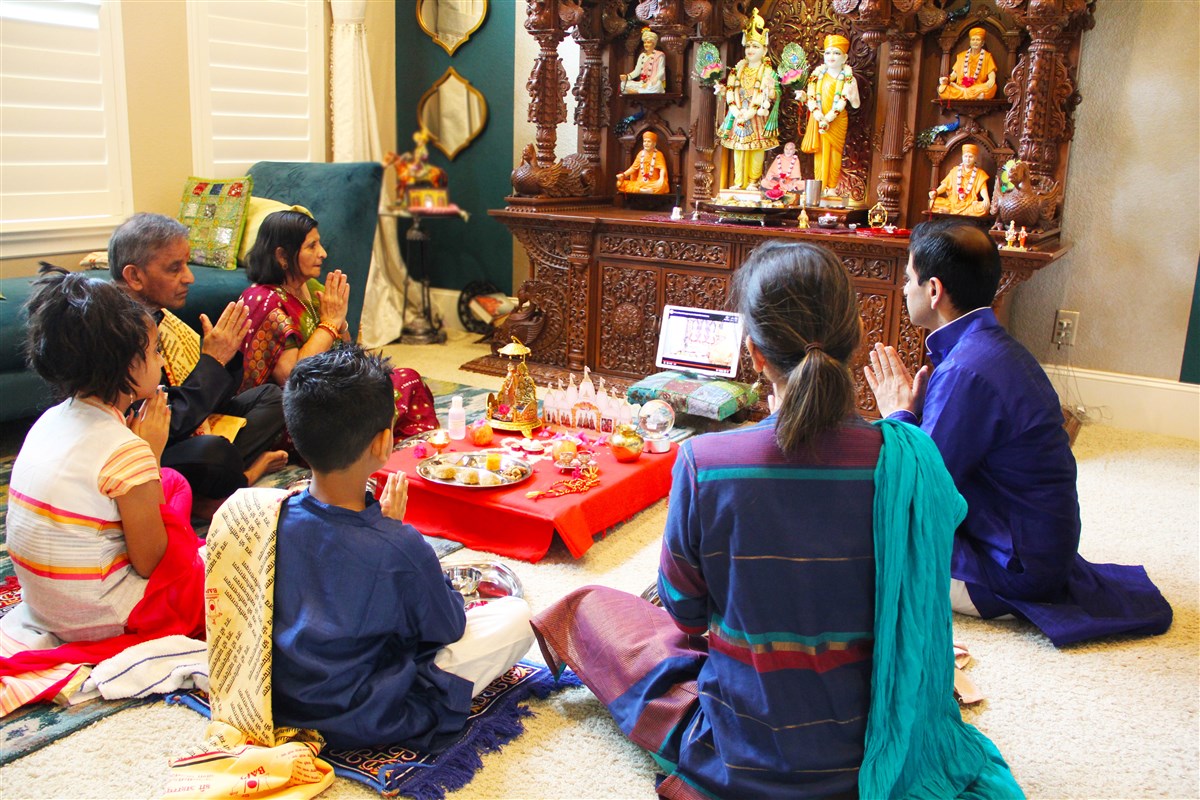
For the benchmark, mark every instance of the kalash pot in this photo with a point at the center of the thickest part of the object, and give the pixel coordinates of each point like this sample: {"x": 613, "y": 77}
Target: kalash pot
{"x": 626, "y": 443}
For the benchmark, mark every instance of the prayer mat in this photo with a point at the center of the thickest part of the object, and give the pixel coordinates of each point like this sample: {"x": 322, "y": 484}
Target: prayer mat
{"x": 32, "y": 727}
{"x": 495, "y": 720}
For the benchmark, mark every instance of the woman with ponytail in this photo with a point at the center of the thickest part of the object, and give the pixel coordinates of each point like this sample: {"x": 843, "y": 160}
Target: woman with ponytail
{"x": 796, "y": 652}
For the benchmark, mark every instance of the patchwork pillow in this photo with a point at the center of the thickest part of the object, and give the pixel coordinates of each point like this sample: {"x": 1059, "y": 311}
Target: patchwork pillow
{"x": 714, "y": 398}
{"x": 214, "y": 211}
{"x": 256, "y": 211}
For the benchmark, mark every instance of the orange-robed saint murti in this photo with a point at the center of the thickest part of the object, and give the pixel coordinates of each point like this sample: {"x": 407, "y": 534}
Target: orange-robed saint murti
{"x": 648, "y": 172}
{"x": 964, "y": 189}
{"x": 973, "y": 73}
{"x": 830, "y": 88}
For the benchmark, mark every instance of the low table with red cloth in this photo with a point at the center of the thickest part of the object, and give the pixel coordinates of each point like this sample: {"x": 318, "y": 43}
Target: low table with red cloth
{"x": 503, "y": 520}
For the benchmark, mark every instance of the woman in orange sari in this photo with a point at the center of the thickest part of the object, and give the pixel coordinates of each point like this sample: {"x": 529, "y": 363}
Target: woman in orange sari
{"x": 293, "y": 315}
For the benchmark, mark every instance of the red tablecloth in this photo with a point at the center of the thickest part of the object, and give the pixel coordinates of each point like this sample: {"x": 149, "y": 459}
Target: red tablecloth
{"x": 503, "y": 520}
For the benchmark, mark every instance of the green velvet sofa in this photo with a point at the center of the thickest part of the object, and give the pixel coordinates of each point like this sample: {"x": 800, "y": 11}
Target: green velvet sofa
{"x": 344, "y": 199}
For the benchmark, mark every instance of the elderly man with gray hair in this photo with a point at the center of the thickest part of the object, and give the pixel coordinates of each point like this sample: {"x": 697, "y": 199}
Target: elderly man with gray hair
{"x": 148, "y": 257}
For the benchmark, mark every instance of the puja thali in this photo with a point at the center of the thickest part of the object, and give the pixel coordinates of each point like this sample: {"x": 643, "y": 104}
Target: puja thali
{"x": 480, "y": 470}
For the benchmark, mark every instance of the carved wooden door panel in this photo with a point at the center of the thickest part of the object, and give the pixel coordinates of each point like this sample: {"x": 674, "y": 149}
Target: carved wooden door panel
{"x": 627, "y": 330}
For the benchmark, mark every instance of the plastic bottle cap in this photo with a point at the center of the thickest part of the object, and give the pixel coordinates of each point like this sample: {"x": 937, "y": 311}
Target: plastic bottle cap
{"x": 456, "y": 401}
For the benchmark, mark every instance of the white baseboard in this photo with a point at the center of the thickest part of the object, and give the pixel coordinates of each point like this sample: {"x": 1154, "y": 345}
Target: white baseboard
{"x": 1153, "y": 405}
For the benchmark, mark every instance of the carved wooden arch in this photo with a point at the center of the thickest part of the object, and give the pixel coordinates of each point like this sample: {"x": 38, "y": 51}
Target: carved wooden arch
{"x": 671, "y": 143}
{"x": 971, "y": 134}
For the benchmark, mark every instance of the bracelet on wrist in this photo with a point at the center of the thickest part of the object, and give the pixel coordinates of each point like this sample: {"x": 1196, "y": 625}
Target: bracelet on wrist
{"x": 332, "y": 331}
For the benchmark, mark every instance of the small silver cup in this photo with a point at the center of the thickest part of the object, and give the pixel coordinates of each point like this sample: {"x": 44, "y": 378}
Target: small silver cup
{"x": 812, "y": 192}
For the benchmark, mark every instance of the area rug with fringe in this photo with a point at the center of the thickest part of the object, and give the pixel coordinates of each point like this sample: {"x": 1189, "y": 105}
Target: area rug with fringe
{"x": 496, "y": 719}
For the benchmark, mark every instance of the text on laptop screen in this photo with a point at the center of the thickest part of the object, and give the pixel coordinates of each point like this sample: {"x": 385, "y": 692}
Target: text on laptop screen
{"x": 700, "y": 340}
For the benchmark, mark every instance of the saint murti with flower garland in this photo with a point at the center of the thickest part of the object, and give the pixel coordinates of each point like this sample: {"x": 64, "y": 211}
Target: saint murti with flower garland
{"x": 831, "y": 87}
{"x": 964, "y": 189}
{"x": 973, "y": 74}
{"x": 751, "y": 125}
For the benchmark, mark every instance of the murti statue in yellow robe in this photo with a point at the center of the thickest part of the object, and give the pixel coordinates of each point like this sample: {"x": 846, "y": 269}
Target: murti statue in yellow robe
{"x": 973, "y": 74}
{"x": 751, "y": 125}
{"x": 830, "y": 88}
{"x": 964, "y": 189}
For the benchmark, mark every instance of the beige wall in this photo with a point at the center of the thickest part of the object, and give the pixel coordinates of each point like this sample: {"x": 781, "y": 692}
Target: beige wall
{"x": 1132, "y": 213}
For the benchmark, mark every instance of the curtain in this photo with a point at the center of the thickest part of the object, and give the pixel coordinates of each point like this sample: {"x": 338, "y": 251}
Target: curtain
{"x": 356, "y": 138}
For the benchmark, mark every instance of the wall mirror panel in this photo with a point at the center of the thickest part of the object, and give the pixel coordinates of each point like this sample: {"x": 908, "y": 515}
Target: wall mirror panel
{"x": 451, "y": 22}
{"x": 454, "y": 111}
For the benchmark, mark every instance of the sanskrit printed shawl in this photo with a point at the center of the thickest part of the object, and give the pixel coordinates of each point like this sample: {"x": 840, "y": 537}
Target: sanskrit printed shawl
{"x": 245, "y": 754}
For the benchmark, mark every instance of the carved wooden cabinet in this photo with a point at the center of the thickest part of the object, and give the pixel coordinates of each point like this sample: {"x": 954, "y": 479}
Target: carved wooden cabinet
{"x": 603, "y": 275}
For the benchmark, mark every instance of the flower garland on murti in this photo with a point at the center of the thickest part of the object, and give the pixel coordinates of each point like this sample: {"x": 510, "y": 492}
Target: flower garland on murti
{"x": 971, "y": 80}
{"x": 962, "y": 193}
{"x": 644, "y": 175}
{"x": 839, "y": 101}
{"x": 581, "y": 480}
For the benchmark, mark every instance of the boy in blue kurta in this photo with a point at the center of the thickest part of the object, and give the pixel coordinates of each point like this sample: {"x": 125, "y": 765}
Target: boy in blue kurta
{"x": 371, "y": 644}
{"x": 998, "y": 423}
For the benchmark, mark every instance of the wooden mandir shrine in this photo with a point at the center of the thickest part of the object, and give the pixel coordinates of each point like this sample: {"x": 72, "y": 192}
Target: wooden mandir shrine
{"x": 602, "y": 267}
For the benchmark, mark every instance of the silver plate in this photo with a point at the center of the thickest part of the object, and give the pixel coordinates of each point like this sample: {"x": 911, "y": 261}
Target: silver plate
{"x": 512, "y": 470}
{"x": 483, "y": 581}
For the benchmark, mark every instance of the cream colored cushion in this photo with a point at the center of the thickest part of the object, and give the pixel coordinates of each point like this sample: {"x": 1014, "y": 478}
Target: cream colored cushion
{"x": 256, "y": 211}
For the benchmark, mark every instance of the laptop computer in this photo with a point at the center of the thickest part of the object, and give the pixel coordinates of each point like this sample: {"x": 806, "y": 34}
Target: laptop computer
{"x": 700, "y": 341}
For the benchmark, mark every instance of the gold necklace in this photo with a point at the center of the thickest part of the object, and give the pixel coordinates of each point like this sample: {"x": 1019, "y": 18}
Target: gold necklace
{"x": 309, "y": 305}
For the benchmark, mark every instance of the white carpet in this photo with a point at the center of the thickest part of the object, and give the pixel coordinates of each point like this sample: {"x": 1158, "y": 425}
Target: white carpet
{"x": 1117, "y": 719}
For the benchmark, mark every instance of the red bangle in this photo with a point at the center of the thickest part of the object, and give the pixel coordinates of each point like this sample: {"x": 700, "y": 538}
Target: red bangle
{"x": 332, "y": 331}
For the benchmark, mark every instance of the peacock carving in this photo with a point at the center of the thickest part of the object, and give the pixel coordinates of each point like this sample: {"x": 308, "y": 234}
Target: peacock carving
{"x": 1029, "y": 201}
{"x": 525, "y": 322}
{"x": 570, "y": 177}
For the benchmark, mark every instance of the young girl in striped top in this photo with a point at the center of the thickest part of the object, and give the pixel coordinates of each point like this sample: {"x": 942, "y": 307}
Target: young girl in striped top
{"x": 89, "y": 508}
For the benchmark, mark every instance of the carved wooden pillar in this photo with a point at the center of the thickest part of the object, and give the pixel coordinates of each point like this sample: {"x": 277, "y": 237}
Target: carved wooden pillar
{"x": 579, "y": 277}
{"x": 704, "y": 139}
{"x": 895, "y": 143}
{"x": 673, "y": 40}
{"x": 1040, "y": 87}
{"x": 548, "y": 82}
{"x": 1035, "y": 144}
{"x": 591, "y": 92}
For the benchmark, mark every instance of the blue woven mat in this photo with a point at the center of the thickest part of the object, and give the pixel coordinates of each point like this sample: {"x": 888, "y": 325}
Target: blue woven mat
{"x": 495, "y": 721}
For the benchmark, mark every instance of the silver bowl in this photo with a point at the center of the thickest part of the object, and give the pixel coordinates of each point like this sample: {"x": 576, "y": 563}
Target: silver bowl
{"x": 465, "y": 579}
{"x": 483, "y": 581}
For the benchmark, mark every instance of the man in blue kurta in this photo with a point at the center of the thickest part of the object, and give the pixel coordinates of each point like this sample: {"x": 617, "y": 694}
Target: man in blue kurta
{"x": 997, "y": 421}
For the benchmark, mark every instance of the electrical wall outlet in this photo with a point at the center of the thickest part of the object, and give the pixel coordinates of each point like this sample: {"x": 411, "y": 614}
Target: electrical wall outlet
{"x": 1065, "y": 325}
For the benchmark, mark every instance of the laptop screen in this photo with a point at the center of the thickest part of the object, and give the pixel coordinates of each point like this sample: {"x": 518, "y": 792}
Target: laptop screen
{"x": 700, "y": 341}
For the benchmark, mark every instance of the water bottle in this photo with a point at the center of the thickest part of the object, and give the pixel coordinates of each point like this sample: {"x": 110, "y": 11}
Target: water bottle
{"x": 456, "y": 420}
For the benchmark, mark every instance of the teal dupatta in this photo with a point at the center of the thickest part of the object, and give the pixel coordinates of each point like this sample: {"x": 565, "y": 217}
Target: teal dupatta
{"x": 916, "y": 742}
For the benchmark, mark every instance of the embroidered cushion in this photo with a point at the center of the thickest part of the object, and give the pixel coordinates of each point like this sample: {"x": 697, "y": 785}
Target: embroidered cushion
{"x": 214, "y": 211}
{"x": 713, "y": 398}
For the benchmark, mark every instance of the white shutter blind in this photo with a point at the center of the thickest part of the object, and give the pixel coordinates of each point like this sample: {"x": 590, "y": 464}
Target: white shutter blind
{"x": 258, "y": 83}
{"x": 63, "y": 130}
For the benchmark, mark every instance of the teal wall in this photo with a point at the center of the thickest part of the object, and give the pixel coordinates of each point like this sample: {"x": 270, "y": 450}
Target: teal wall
{"x": 480, "y": 249}
{"x": 1190, "y": 373}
